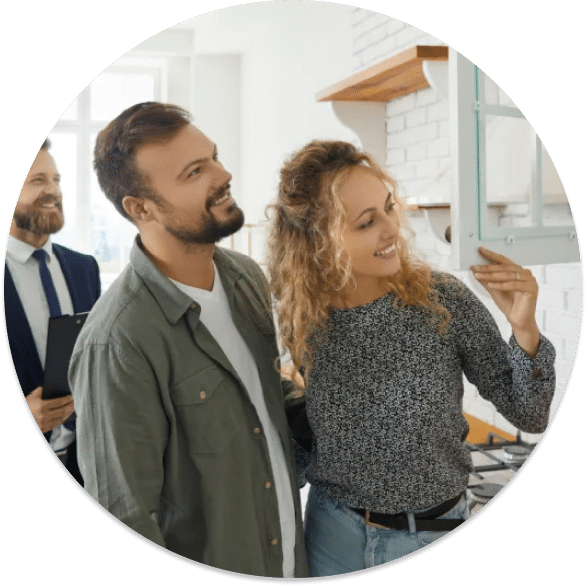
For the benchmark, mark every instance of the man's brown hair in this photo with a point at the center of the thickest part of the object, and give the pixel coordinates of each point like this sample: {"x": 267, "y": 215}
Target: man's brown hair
{"x": 116, "y": 145}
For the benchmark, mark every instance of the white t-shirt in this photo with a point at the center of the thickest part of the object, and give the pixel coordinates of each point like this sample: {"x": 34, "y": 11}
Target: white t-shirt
{"x": 217, "y": 318}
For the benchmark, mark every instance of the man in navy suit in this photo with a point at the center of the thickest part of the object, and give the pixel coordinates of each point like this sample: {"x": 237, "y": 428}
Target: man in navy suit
{"x": 73, "y": 277}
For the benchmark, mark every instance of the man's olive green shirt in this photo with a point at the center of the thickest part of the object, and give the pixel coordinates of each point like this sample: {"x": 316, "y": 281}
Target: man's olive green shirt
{"x": 168, "y": 440}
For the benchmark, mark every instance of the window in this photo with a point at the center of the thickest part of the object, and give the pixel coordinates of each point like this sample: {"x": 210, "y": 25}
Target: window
{"x": 91, "y": 223}
{"x": 155, "y": 70}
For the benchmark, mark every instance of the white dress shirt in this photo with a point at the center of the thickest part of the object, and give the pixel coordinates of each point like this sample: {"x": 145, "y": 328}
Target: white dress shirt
{"x": 24, "y": 269}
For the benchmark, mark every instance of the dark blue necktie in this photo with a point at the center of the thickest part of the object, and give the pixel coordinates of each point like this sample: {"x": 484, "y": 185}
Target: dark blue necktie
{"x": 53, "y": 301}
{"x": 47, "y": 282}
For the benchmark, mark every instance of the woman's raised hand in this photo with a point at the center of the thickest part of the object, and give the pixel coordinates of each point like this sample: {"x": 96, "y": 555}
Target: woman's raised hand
{"x": 514, "y": 290}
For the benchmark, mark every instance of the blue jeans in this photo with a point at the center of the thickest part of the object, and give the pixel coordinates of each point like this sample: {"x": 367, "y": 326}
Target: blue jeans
{"x": 339, "y": 541}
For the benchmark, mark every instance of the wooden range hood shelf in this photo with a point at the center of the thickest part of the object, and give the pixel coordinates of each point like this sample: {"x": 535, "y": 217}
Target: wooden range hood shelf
{"x": 387, "y": 80}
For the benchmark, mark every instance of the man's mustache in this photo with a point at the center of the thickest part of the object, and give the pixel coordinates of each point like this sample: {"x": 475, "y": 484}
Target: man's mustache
{"x": 220, "y": 192}
{"x": 47, "y": 199}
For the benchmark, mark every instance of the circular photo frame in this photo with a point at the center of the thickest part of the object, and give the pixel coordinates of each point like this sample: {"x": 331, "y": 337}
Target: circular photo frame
{"x": 273, "y": 76}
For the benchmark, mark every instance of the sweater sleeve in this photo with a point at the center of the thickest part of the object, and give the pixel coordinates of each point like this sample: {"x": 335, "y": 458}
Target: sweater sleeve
{"x": 301, "y": 434}
{"x": 521, "y": 388}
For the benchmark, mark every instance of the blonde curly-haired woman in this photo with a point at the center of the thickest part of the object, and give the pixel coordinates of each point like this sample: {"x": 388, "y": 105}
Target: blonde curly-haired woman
{"x": 381, "y": 341}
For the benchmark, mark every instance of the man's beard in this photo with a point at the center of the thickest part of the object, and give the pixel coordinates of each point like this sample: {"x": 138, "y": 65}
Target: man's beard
{"x": 210, "y": 229}
{"x": 33, "y": 218}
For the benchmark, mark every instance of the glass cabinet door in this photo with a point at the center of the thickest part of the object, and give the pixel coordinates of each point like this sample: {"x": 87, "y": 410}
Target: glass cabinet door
{"x": 507, "y": 194}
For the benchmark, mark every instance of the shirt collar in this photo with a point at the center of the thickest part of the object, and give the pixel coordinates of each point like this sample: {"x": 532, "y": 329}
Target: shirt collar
{"x": 174, "y": 302}
{"x": 21, "y": 251}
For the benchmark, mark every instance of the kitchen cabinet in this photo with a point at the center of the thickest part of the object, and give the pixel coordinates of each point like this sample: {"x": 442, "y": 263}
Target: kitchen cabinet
{"x": 503, "y": 191}
{"x": 507, "y": 195}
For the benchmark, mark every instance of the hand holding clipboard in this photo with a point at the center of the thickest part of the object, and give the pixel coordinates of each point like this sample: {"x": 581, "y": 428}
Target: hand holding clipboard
{"x": 63, "y": 332}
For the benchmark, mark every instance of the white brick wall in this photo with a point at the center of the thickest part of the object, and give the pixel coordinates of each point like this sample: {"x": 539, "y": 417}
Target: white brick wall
{"x": 418, "y": 156}
{"x": 417, "y": 133}
{"x": 417, "y": 124}
{"x": 377, "y": 36}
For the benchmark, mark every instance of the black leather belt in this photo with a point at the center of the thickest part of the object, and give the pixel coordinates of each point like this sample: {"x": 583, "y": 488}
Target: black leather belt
{"x": 424, "y": 521}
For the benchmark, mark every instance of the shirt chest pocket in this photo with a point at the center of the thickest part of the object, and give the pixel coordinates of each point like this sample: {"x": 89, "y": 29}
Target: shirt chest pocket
{"x": 205, "y": 411}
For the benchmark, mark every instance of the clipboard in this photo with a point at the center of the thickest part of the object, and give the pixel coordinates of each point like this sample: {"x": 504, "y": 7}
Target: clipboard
{"x": 61, "y": 337}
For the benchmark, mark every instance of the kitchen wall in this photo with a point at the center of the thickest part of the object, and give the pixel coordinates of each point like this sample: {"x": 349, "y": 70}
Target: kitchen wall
{"x": 418, "y": 156}
{"x": 287, "y": 52}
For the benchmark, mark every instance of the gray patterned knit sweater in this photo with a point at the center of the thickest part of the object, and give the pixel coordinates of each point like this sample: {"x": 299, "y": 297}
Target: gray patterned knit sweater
{"x": 384, "y": 398}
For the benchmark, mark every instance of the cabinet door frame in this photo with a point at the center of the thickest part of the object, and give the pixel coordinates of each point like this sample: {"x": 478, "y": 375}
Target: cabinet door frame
{"x": 531, "y": 245}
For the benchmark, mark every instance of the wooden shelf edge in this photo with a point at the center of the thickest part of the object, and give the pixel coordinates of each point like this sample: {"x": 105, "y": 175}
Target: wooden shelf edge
{"x": 415, "y": 207}
{"x": 387, "y": 80}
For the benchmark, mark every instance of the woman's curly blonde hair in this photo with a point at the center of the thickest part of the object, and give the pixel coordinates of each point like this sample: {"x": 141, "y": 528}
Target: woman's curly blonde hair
{"x": 308, "y": 267}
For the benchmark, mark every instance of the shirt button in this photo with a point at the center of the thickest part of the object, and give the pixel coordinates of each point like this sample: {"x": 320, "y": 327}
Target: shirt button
{"x": 536, "y": 373}
{"x": 274, "y": 541}
{"x": 202, "y": 395}
{"x": 268, "y": 484}
{"x": 256, "y": 430}
{"x": 193, "y": 306}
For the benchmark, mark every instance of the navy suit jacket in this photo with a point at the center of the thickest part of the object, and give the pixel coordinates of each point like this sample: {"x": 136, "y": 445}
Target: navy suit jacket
{"x": 83, "y": 280}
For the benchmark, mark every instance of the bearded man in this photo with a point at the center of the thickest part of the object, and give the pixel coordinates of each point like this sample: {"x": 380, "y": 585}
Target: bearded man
{"x": 181, "y": 422}
{"x": 42, "y": 280}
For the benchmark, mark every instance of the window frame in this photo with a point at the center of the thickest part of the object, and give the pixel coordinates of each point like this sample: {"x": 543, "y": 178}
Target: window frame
{"x": 85, "y": 128}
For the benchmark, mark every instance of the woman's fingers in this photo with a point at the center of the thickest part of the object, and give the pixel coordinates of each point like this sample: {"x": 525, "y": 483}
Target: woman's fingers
{"x": 502, "y": 274}
{"x": 506, "y": 278}
{"x": 498, "y": 262}
{"x": 501, "y": 268}
{"x": 495, "y": 257}
{"x": 509, "y": 285}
